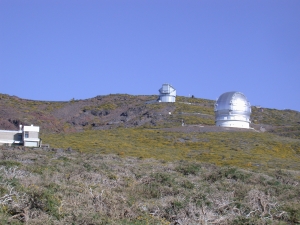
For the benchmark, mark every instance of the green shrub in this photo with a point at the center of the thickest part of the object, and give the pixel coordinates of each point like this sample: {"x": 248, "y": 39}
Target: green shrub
{"x": 150, "y": 190}
{"x": 8, "y": 163}
{"x": 164, "y": 179}
{"x": 188, "y": 168}
{"x": 44, "y": 200}
{"x": 228, "y": 173}
{"x": 187, "y": 184}
{"x": 293, "y": 212}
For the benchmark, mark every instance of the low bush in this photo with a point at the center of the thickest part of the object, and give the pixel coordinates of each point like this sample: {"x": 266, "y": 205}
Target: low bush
{"x": 188, "y": 168}
{"x": 8, "y": 163}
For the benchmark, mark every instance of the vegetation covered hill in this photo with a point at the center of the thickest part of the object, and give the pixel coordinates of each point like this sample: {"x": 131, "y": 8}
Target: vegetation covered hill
{"x": 243, "y": 149}
{"x": 122, "y": 159}
{"x": 121, "y": 110}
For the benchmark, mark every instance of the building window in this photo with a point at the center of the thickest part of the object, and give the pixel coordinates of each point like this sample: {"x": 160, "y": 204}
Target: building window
{"x": 26, "y": 134}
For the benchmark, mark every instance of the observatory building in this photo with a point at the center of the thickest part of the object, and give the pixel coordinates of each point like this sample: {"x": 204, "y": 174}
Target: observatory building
{"x": 26, "y": 135}
{"x": 167, "y": 93}
{"x": 232, "y": 109}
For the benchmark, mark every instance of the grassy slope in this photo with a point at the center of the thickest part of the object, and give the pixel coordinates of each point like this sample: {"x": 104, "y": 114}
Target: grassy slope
{"x": 246, "y": 149}
{"x": 239, "y": 149}
{"x": 275, "y": 117}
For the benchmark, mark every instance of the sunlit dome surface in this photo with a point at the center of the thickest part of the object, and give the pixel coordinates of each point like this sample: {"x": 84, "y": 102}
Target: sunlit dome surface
{"x": 167, "y": 93}
{"x": 232, "y": 109}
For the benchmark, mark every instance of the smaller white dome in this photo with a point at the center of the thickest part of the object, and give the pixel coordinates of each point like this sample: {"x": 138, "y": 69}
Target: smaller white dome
{"x": 167, "y": 93}
{"x": 232, "y": 109}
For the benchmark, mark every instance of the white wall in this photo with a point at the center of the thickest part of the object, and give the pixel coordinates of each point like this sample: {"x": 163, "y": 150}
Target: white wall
{"x": 238, "y": 124}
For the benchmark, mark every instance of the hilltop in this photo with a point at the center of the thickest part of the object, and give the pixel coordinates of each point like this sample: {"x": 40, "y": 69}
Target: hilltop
{"x": 101, "y": 112}
{"x": 123, "y": 159}
{"x": 122, "y": 110}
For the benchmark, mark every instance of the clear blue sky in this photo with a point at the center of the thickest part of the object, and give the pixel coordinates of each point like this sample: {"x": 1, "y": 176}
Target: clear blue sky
{"x": 64, "y": 49}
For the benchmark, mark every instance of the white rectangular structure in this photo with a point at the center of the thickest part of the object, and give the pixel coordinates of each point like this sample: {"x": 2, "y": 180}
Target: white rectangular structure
{"x": 10, "y": 137}
{"x": 27, "y": 136}
{"x": 31, "y": 136}
{"x": 31, "y": 128}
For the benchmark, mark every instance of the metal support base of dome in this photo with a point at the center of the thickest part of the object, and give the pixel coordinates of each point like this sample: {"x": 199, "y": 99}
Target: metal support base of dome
{"x": 237, "y": 124}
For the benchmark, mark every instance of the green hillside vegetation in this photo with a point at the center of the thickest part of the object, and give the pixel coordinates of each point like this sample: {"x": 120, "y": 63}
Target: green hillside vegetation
{"x": 242, "y": 149}
{"x": 29, "y": 106}
{"x": 287, "y": 131}
{"x": 284, "y": 122}
{"x": 275, "y": 117}
{"x": 194, "y": 111}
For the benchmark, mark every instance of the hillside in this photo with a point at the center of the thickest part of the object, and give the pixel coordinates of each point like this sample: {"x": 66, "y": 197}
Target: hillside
{"x": 121, "y": 110}
{"x": 129, "y": 161}
{"x": 137, "y": 126}
{"x": 101, "y": 112}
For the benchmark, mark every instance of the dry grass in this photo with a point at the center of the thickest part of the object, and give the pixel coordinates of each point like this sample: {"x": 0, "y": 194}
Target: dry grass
{"x": 67, "y": 187}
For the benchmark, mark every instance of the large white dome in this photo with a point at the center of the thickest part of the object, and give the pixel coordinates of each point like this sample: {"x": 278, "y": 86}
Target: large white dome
{"x": 232, "y": 109}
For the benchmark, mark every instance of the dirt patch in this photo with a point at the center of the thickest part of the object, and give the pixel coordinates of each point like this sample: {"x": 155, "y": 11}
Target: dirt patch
{"x": 199, "y": 128}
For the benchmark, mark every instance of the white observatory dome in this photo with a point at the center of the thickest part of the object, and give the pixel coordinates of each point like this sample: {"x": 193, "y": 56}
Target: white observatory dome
{"x": 167, "y": 93}
{"x": 232, "y": 109}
